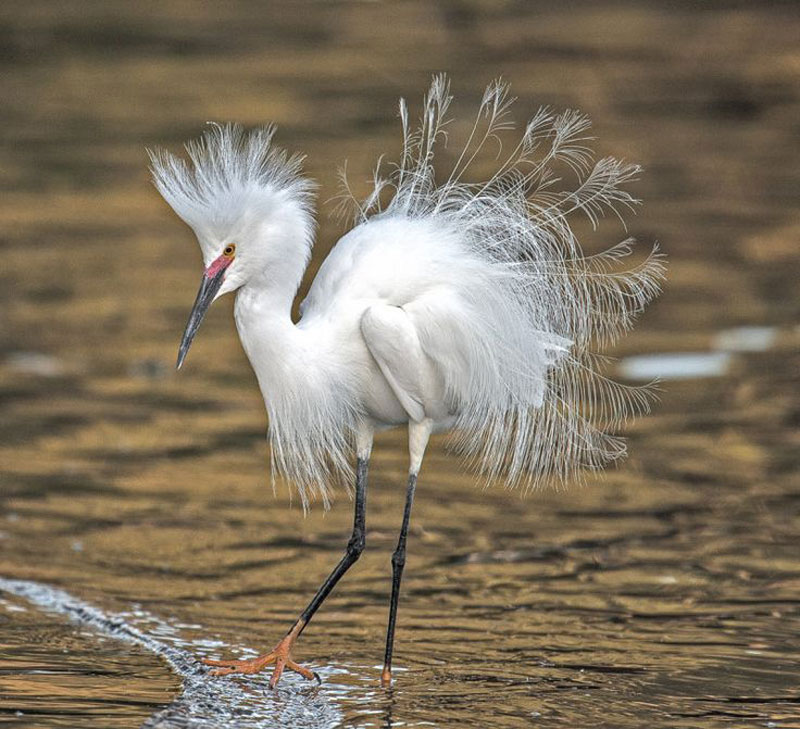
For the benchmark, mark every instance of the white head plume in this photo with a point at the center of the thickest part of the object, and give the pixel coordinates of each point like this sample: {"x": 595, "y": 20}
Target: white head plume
{"x": 234, "y": 183}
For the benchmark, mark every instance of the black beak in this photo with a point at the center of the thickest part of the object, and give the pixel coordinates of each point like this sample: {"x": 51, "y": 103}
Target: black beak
{"x": 208, "y": 290}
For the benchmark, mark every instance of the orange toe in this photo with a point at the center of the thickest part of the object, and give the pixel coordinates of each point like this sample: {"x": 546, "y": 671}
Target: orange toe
{"x": 252, "y": 665}
{"x": 279, "y": 655}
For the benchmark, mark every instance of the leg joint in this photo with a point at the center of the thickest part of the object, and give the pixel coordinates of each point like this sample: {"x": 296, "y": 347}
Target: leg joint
{"x": 399, "y": 558}
{"x": 356, "y": 545}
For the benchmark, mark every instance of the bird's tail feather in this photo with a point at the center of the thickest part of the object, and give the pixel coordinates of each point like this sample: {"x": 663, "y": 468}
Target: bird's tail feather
{"x": 541, "y": 292}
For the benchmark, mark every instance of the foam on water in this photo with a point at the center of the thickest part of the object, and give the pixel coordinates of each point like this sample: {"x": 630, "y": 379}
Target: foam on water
{"x": 241, "y": 703}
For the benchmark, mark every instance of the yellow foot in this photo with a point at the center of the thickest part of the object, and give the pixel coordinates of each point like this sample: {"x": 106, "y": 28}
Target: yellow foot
{"x": 386, "y": 677}
{"x": 279, "y": 655}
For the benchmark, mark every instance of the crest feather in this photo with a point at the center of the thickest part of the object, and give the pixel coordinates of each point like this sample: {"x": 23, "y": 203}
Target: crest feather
{"x": 230, "y": 176}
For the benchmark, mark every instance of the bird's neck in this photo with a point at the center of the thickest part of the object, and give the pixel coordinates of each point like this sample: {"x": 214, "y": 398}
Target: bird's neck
{"x": 277, "y": 350}
{"x": 263, "y": 318}
{"x": 309, "y": 396}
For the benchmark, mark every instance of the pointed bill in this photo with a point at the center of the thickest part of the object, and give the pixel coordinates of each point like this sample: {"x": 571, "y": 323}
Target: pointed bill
{"x": 209, "y": 286}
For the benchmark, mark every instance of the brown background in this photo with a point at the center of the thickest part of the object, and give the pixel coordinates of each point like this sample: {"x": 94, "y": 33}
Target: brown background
{"x": 664, "y": 595}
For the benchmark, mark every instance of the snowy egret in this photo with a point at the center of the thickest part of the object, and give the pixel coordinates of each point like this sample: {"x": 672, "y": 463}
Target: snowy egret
{"x": 457, "y": 306}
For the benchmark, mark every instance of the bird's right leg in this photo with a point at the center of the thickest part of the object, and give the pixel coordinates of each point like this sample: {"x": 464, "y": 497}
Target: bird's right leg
{"x": 418, "y": 434}
{"x": 280, "y": 655}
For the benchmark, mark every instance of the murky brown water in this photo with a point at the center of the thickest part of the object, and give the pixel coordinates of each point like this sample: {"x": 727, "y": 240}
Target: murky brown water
{"x": 665, "y": 595}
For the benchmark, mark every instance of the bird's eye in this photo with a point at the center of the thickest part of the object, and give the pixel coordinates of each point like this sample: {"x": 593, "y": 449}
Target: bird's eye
{"x": 229, "y": 251}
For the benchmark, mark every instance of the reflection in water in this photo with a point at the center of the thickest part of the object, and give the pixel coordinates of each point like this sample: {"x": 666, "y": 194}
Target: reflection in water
{"x": 34, "y": 363}
{"x": 675, "y": 365}
{"x": 745, "y": 339}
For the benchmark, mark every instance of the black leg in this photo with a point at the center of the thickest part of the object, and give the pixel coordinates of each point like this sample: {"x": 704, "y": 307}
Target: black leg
{"x": 354, "y": 549}
{"x": 398, "y": 562}
{"x": 280, "y": 655}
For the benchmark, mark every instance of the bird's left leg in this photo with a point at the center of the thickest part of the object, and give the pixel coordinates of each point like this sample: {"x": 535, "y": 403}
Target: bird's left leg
{"x": 280, "y": 655}
{"x": 418, "y": 435}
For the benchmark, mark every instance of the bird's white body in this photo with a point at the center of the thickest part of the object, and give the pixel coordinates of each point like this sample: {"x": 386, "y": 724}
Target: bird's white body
{"x": 368, "y": 285}
{"x": 463, "y": 306}
{"x": 355, "y": 312}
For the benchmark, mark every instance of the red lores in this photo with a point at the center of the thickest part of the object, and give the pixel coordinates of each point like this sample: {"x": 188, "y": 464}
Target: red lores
{"x": 218, "y": 265}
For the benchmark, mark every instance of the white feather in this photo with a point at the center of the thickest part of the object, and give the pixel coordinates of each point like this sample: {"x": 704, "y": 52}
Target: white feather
{"x": 515, "y": 331}
{"x": 485, "y": 281}
{"x": 232, "y": 179}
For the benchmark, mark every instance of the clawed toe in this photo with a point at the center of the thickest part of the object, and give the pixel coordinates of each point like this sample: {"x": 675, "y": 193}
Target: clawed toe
{"x": 279, "y": 656}
{"x": 253, "y": 665}
{"x": 234, "y": 665}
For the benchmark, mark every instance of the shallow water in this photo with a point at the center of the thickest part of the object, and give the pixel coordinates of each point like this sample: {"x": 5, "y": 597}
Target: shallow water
{"x": 666, "y": 594}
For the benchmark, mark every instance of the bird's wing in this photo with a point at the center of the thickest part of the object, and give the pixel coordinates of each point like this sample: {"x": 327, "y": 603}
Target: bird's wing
{"x": 393, "y": 342}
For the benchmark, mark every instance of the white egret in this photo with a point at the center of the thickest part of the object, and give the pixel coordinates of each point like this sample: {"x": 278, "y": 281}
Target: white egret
{"x": 451, "y": 305}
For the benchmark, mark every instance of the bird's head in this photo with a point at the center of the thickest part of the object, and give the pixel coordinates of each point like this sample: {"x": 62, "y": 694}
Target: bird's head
{"x": 249, "y": 207}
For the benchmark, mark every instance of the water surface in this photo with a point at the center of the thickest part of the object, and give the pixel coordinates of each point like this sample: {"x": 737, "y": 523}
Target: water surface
{"x": 662, "y": 595}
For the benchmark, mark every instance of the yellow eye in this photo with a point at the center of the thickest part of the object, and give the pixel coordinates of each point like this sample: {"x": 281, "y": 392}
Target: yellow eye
{"x": 229, "y": 250}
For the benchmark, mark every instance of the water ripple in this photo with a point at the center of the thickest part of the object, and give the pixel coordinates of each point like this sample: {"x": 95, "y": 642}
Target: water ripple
{"x": 202, "y": 703}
